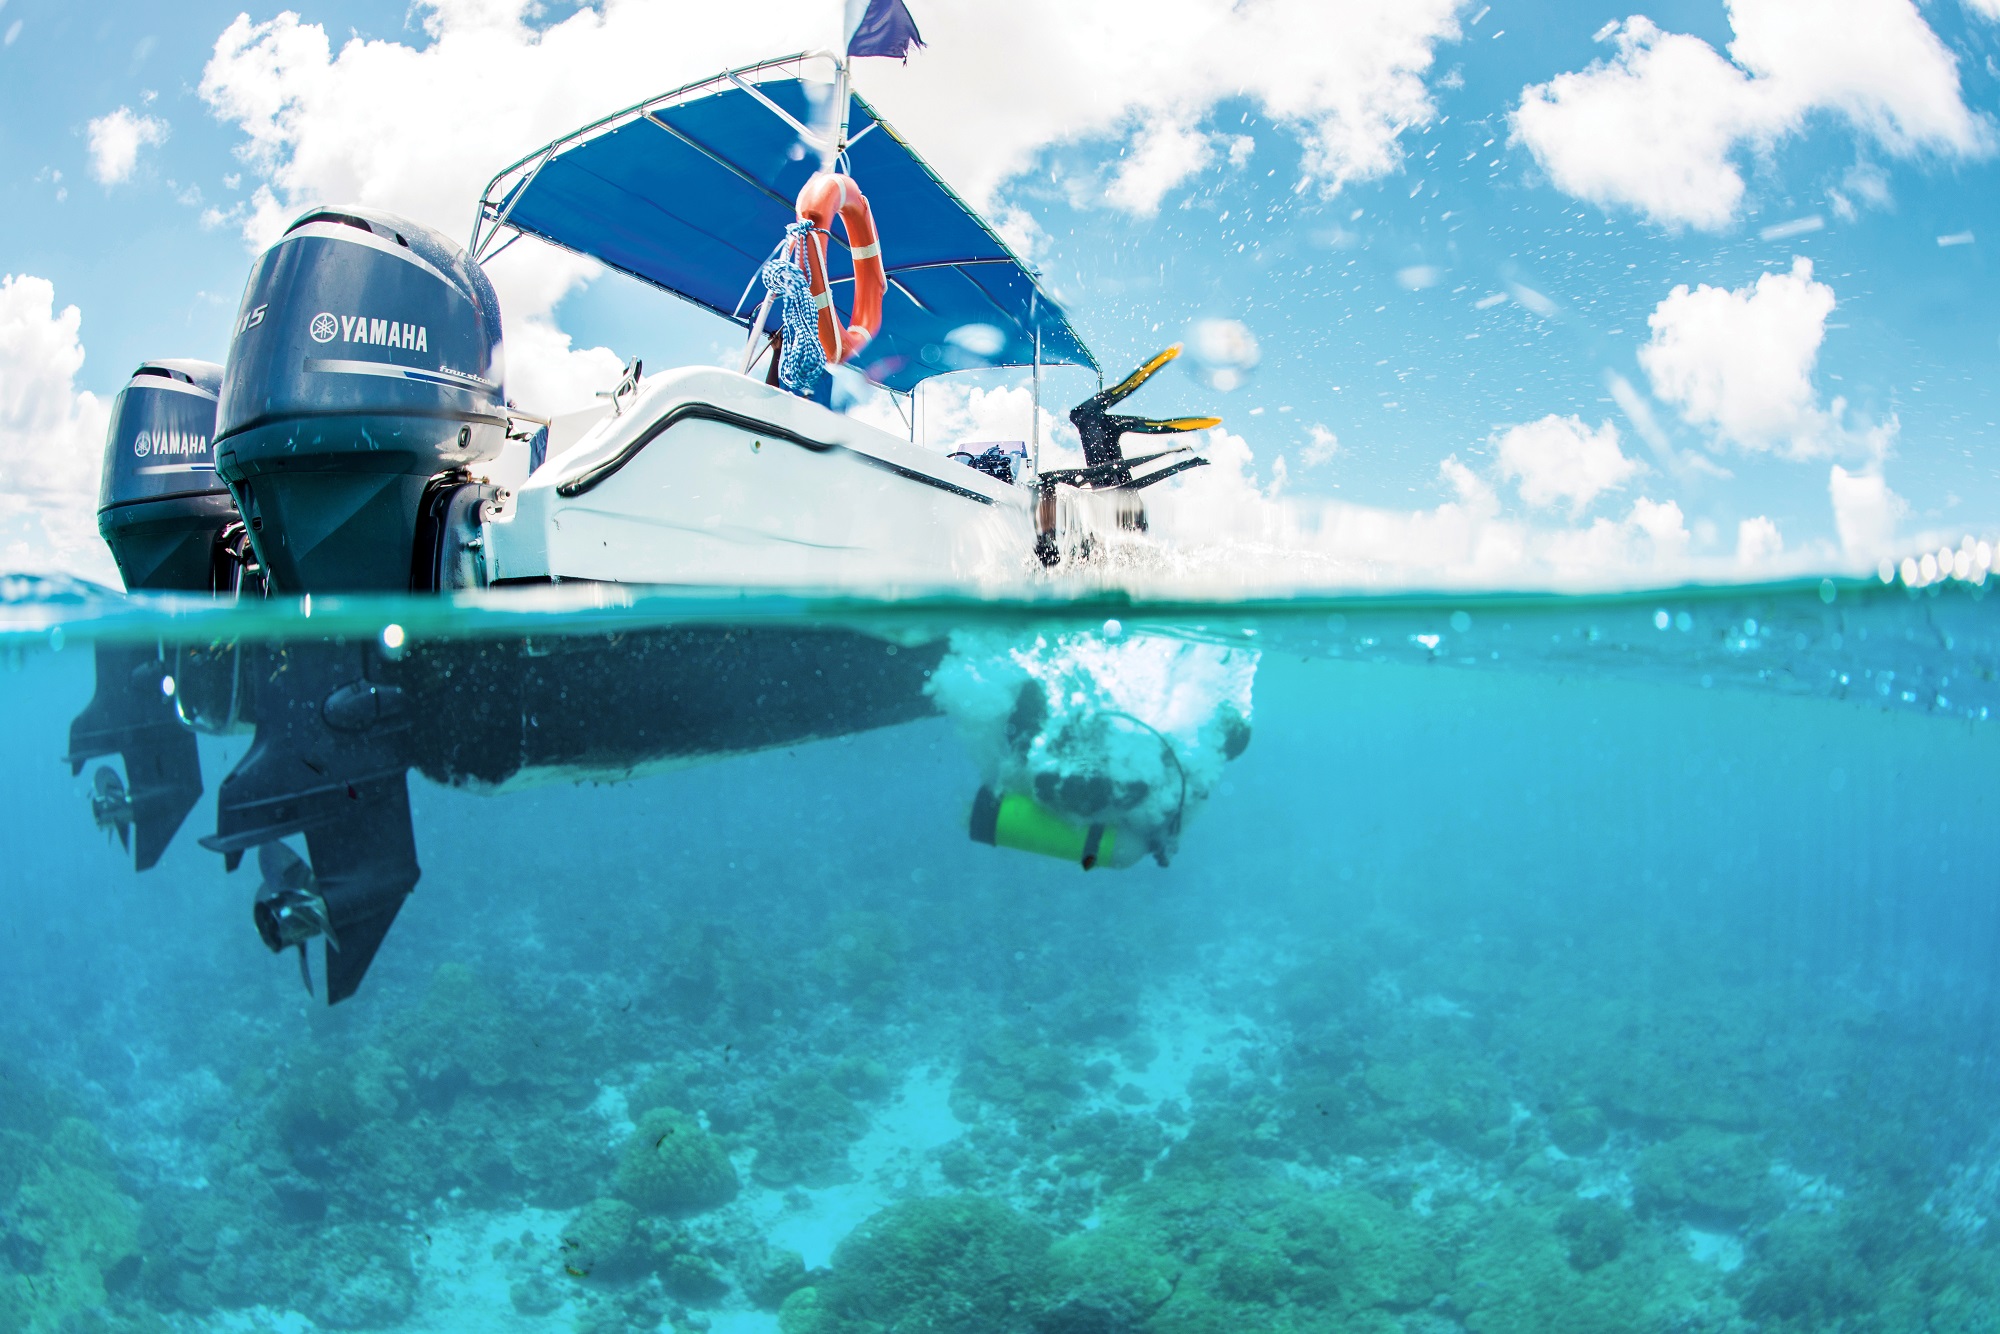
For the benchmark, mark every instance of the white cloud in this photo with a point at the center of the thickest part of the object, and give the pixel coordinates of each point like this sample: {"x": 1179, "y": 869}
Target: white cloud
{"x": 1650, "y": 544}
{"x": 1662, "y": 524}
{"x": 1321, "y": 446}
{"x": 545, "y": 369}
{"x": 115, "y": 141}
{"x": 1758, "y": 542}
{"x": 1560, "y": 460}
{"x": 1227, "y": 529}
{"x": 1223, "y": 528}
{"x": 1739, "y": 362}
{"x": 1659, "y": 126}
{"x": 951, "y": 413}
{"x": 1866, "y": 182}
{"x": 1875, "y": 63}
{"x": 1865, "y": 512}
{"x": 51, "y": 438}
{"x": 1022, "y": 233}
{"x": 1986, "y": 8}
{"x": 1346, "y": 76}
{"x": 324, "y": 124}
{"x": 1160, "y": 157}
{"x": 1653, "y": 128}
{"x": 1472, "y": 490}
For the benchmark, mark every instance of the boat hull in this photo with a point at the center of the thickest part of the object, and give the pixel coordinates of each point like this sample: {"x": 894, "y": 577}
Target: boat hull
{"x": 709, "y": 477}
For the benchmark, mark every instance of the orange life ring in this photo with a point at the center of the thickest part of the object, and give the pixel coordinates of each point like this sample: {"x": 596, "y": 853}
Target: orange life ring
{"x": 826, "y": 194}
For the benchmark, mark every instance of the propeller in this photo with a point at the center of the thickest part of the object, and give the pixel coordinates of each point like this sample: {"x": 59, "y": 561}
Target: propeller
{"x": 110, "y": 807}
{"x": 289, "y": 910}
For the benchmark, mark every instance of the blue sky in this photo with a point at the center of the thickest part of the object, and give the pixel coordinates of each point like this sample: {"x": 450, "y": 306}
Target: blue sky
{"x": 1447, "y": 274}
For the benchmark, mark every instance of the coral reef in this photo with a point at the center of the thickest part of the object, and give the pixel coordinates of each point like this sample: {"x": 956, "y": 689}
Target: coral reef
{"x": 361, "y": 1278}
{"x": 672, "y": 1166}
{"x": 69, "y": 1236}
{"x": 1525, "y": 1271}
{"x": 949, "y": 1265}
{"x": 604, "y": 1241}
{"x": 810, "y": 1124}
{"x": 1213, "y": 1247}
{"x": 1707, "y": 1174}
{"x": 1866, "y": 1265}
{"x": 1016, "y": 1075}
{"x": 914, "y": 1100}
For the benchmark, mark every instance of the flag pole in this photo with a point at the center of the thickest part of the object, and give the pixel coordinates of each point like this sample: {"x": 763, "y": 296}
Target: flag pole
{"x": 842, "y": 100}
{"x": 841, "y": 60}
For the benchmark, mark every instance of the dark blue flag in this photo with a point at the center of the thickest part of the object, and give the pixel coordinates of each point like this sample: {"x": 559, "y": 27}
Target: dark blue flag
{"x": 885, "y": 28}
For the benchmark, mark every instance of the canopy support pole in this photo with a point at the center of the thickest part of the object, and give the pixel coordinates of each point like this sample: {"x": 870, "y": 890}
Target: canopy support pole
{"x": 755, "y": 345}
{"x": 802, "y": 131}
{"x": 1035, "y": 427}
{"x": 1035, "y": 382}
{"x": 479, "y": 242}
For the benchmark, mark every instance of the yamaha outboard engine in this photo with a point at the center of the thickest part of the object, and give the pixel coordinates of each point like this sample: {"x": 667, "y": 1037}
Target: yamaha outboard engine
{"x": 363, "y": 381}
{"x": 172, "y": 527}
{"x": 167, "y": 518}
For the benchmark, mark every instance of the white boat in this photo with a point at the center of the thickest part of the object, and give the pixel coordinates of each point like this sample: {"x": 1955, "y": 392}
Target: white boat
{"x": 363, "y": 403}
{"x": 351, "y": 447}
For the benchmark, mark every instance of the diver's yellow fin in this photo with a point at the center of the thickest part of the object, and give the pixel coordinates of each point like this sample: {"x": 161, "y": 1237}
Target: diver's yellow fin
{"x": 1126, "y": 387}
{"x": 1184, "y": 423}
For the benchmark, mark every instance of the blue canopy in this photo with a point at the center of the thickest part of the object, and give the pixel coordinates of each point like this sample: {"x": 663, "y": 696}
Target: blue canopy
{"x": 690, "y": 192}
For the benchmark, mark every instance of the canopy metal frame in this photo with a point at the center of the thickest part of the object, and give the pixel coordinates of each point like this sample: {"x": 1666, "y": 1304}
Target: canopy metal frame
{"x": 511, "y": 183}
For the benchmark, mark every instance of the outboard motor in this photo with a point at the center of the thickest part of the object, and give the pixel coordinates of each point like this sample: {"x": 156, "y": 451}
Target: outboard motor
{"x": 329, "y": 761}
{"x": 167, "y": 518}
{"x": 364, "y": 379}
{"x": 132, "y": 714}
{"x": 172, "y": 527}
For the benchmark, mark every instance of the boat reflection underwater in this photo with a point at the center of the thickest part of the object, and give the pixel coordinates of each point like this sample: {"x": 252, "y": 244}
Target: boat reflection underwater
{"x": 1094, "y": 748}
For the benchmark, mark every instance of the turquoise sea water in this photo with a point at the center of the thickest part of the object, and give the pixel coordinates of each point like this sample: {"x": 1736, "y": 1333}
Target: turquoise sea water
{"x": 1577, "y": 964}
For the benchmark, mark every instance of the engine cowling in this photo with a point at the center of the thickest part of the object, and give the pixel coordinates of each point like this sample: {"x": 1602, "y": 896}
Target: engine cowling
{"x": 160, "y": 507}
{"x": 365, "y": 370}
